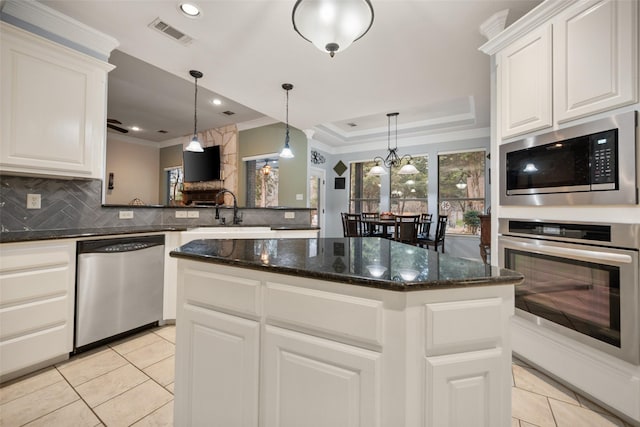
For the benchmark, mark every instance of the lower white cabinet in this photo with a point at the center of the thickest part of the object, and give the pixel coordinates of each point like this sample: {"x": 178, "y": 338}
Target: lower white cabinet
{"x": 257, "y": 348}
{"x": 37, "y": 288}
{"x": 311, "y": 381}
{"x": 218, "y": 365}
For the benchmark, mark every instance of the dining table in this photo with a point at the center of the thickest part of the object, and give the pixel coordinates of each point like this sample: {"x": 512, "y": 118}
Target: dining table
{"x": 386, "y": 225}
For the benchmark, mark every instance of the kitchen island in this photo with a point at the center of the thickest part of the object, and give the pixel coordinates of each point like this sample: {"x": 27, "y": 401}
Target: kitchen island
{"x": 340, "y": 332}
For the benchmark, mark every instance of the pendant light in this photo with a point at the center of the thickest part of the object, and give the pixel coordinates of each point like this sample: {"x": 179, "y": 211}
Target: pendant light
{"x": 332, "y": 25}
{"x": 195, "y": 145}
{"x": 393, "y": 159}
{"x": 266, "y": 169}
{"x": 286, "y": 152}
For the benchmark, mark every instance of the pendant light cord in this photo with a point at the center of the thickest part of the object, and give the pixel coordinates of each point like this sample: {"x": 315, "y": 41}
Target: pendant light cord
{"x": 286, "y": 137}
{"x": 195, "y": 110}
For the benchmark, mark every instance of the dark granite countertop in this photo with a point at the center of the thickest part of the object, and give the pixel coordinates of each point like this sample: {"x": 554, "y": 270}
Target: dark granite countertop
{"x": 71, "y": 233}
{"x": 364, "y": 261}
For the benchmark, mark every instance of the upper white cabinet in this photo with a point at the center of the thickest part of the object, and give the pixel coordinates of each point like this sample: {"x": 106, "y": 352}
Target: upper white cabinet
{"x": 525, "y": 89}
{"x": 53, "y": 107}
{"x": 595, "y": 57}
{"x": 566, "y": 62}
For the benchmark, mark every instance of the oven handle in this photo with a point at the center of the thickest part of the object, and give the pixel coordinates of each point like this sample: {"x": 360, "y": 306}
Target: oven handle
{"x": 599, "y": 257}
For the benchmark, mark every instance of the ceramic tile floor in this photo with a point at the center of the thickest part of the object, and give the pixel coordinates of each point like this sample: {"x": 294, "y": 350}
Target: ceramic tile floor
{"x": 130, "y": 383}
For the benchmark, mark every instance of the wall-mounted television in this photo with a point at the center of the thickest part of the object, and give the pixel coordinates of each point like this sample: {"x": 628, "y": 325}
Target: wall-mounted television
{"x": 203, "y": 166}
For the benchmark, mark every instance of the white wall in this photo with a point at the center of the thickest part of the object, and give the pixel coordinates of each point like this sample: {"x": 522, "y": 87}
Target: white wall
{"x": 133, "y": 178}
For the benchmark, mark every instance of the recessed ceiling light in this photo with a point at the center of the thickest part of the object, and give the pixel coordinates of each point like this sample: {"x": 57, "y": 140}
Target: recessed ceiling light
{"x": 135, "y": 128}
{"x": 216, "y": 101}
{"x": 190, "y": 9}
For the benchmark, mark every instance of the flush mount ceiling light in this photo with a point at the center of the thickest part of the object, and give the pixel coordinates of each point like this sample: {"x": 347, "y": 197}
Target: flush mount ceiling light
{"x": 286, "y": 152}
{"x": 216, "y": 101}
{"x": 194, "y": 145}
{"x": 393, "y": 159}
{"x": 190, "y": 10}
{"x": 332, "y": 25}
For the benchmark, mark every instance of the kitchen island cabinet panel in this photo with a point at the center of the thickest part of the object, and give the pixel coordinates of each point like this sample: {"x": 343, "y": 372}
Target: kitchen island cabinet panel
{"x": 37, "y": 289}
{"x": 311, "y": 381}
{"x": 219, "y": 370}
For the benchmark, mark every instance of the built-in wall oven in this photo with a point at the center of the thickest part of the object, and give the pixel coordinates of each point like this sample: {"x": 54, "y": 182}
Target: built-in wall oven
{"x": 591, "y": 163}
{"x": 581, "y": 280}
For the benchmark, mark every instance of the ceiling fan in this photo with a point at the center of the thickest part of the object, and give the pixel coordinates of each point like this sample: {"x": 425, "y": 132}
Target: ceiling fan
{"x": 113, "y": 124}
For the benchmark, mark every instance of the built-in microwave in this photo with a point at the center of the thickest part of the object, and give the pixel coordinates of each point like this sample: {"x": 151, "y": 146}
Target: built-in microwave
{"x": 592, "y": 163}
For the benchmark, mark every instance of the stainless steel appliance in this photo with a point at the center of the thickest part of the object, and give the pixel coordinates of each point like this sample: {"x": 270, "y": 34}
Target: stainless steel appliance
{"x": 581, "y": 280}
{"x": 593, "y": 163}
{"x": 119, "y": 287}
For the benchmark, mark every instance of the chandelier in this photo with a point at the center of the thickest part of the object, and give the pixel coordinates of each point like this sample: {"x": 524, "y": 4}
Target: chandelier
{"x": 393, "y": 159}
{"x": 332, "y": 25}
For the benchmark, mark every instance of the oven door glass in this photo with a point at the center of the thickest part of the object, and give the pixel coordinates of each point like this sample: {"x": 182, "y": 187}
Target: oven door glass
{"x": 579, "y": 295}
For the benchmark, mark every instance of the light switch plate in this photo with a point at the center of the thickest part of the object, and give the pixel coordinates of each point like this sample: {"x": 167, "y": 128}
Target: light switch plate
{"x": 299, "y": 196}
{"x": 289, "y": 215}
{"x": 126, "y": 214}
{"x": 181, "y": 214}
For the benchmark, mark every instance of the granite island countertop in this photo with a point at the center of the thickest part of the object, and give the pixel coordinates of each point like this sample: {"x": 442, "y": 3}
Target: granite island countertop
{"x": 362, "y": 261}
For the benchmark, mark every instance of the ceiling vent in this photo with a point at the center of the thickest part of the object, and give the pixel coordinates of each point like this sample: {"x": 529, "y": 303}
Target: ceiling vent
{"x": 172, "y": 32}
{"x": 228, "y": 113}
{"x": 352, "y": 125}
{"x": 163, "y": 131}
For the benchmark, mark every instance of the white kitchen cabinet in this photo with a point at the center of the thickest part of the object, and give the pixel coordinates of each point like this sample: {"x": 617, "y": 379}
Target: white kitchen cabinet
{"x": 322, "y": 353}
{"x": 595, "y": 58}
{"x": 311, "y": 381}
{"x": 579, "y": 60}
{"x": 525, "y": 83}
{"x": 53, "y": 108}
{"x": 37, "y": 288}
{"x": 219, "y": 369}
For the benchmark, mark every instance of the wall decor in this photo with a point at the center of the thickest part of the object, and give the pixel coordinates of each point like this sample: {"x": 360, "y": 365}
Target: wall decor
{"x": 340, "y": 168}
{"x": 317, "y": 158}
{"x": 340, "y": 183}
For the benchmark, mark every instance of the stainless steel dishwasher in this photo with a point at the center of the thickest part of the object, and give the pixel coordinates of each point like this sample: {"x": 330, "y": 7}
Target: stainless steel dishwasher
{"x": 119, "y": 287}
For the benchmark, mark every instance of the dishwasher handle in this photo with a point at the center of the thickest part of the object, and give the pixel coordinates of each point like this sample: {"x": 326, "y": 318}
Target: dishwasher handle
{"x": 127, "y": 244}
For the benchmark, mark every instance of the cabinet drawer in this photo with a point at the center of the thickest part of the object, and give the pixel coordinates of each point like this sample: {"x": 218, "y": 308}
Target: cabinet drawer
{"x": 337, "y": 315}
{"x": 233, "y": 294}
{"x": 33, "y": 317}
{"x": 28, "y": 350}
{"x": 455, "y": 327}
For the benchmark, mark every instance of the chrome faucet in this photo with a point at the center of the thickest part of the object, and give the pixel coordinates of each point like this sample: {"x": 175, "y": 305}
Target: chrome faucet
{"x": 236, "y": 218}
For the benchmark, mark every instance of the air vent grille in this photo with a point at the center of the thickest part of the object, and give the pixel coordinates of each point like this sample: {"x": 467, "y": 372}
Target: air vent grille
{"x": 352, "y": 125}
{"x": 228, "y": 113}
{"x": 163, "y": 131}
{"x": 172, "y": 32}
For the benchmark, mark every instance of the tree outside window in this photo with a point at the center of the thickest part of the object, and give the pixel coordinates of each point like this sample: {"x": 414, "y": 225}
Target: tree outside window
{"x": 409, "y": 192}
{"x": 364, "y": 189}
{"x": 461, "y": 190}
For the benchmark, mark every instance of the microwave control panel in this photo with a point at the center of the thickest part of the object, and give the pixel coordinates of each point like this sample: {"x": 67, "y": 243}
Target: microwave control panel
{"x": 604, "y": 159}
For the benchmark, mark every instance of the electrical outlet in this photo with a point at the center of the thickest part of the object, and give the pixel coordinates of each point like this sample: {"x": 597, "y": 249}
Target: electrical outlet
{"x": 289, "y": 215}
{"x": 33, "y": 201}
{"x": 126, "y": 214}
{"x": 181, "y": 214}
{"x": 193, "y": 214}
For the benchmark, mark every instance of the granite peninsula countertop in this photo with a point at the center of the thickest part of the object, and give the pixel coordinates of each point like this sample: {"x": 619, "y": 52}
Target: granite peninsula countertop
{"x": 362, "y": 261}
{"x": 74, "y": 233}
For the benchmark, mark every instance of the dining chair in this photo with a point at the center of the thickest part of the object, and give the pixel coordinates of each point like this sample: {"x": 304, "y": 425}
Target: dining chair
{"x": 425, "y": 226}
{"x": 406, "y": 228}
{"x": 370, "y": 229}
{"x": 438, "y": 238}
{"x": 352, "y": 225}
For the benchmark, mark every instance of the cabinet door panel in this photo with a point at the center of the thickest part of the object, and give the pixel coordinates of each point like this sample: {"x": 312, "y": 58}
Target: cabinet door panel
{"x": 525, "y": 84}
{"x": 217, "y": 369}
{"x": 473, "y": 381}
{"x": 595, "y": 52}
{"x": 313, "y": 382}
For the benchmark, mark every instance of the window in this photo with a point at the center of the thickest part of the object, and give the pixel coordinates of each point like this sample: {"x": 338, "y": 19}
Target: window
{"x": 262, "y": 183}
{"x": 461, "y": 189}
{"x": 174, "y": 186}
{"x": 409, "y": 192}
{"x": 365, "y": 189}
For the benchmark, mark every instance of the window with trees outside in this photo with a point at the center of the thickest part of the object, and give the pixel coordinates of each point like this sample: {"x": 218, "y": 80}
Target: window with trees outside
{"x": 262, "y": 183}
{"x": 364, "y": 189}
{"x": 461, "y": 188}
{"x": 409, "y": 192}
